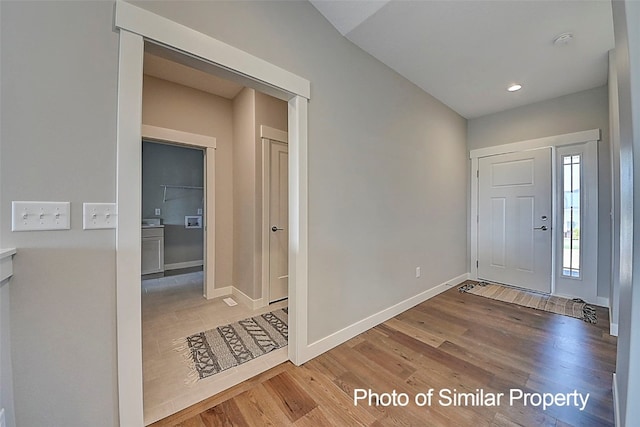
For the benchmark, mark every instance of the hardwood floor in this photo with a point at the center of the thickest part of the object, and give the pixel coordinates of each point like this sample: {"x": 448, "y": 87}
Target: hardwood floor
{"x": 453, "y": 343}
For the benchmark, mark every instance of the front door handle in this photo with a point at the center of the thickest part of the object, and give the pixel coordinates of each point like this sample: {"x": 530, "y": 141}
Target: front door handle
{"x": 543, "y": 228}
{"x": 275, "y": 228}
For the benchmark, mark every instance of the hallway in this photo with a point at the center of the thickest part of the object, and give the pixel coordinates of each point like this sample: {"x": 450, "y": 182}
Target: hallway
{"x": 172, "y": 308}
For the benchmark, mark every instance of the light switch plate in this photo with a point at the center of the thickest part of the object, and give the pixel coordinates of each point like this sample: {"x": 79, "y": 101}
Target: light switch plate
{"x": 96, "y": 216}
{"x": 39, "y": 216}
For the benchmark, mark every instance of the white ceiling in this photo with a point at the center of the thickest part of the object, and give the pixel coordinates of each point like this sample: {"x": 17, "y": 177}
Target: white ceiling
{"x": 466, "y": 53}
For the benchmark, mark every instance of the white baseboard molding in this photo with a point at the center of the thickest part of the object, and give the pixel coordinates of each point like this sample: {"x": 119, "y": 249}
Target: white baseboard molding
{"x": 186, "y": 264}
{"x": 325, "y": 344}
{"x": 613, "y": 329}
{"x": 247, "y": 301}
{"x": 616, "y": 402}
{"x": 602, "y": 301}
{"x": 221, "y": 292}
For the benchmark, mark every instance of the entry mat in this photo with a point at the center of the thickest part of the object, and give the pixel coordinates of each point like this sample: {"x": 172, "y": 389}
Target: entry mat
{"x": 224, "y": 347}
{"x": 568, "y": 307}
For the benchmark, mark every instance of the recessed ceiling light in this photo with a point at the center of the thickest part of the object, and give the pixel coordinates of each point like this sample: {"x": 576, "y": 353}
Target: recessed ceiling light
{"x": 514, "y": 87}
{"x": 563, "y": 39}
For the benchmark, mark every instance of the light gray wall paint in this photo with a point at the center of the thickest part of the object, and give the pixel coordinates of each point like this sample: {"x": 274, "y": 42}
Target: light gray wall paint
{"x": 164, "y": 164}
{"x": 626, "y": 23}
{"x": 387, "y": 170}
{"x": 571, "y": 113}
{"x": 59, "y": 81}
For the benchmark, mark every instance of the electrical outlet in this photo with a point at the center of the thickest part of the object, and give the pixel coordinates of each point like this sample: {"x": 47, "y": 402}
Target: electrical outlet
{"x": 157, "y": 212}
{"x": 37, "y": 216}
{"x": 199, "y": 211}
{"x": 418, "y": 272}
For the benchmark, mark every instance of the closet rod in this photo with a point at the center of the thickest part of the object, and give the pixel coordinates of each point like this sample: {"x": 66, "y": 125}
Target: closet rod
{"x": 182, "y": 187}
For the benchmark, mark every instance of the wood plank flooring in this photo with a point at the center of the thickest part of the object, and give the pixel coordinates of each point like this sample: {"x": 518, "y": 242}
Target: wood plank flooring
{"x": 453, "y": 343}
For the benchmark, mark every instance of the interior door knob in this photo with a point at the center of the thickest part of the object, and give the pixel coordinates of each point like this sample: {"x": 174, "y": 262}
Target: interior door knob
{"x": 543, "y": 228}
{"x": 275, "y": 228}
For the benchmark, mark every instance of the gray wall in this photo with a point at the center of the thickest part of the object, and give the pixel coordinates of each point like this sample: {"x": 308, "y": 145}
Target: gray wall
{"x": 387, "y": 184}
{"x": 571, "y": 113}
{"x": 626, "y": 22}
{"x": 169, "y": 165}
{"x": 58, "y": 100}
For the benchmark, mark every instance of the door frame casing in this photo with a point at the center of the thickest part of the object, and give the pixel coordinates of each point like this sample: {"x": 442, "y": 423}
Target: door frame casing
{"x": 136, "y": 26}
{"x": 553, "y": 142}
{"x": 208, "y": 145}
{"x": 267, "y": 134}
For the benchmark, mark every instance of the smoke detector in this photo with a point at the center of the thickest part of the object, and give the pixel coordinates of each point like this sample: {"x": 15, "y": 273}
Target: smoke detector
{"x": 563, "y": 39}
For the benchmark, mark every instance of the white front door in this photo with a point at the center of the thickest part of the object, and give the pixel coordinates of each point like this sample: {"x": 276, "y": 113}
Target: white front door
{"x": 279, "y": 220}
{"x": 514, "y": 219}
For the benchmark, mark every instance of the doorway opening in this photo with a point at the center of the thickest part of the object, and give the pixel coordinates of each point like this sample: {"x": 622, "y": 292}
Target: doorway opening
{"x": 204, "y": 188}
{"x": 173, "y": 202}
{"x": 136, "y": 26}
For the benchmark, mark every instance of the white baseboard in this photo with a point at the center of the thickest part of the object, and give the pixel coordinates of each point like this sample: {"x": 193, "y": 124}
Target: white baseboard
{"x": 613, "y": 329}
{"x": 186, "y": 264}
{"x": 616, "y": 402}
{"x": 247, "y": 301}
{"x": 221, "y": 292}
{"x": 325, "y": 344}
{"x": 602, "y": 301}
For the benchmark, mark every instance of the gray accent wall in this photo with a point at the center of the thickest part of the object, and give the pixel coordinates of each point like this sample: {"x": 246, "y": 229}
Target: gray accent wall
{"x": 179, "y": 166}
{"x": 387, "y": 184}
{"x": 571, "y": 113}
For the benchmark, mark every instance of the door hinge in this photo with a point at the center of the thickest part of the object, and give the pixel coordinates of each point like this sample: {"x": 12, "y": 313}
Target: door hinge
{"x": 476, "y": 263}
{"x": 478, "y": 173}
{"x": 478, "y": 218}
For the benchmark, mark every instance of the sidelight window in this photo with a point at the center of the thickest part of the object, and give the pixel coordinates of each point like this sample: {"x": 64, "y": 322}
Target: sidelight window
{"x": 571, "y": 215}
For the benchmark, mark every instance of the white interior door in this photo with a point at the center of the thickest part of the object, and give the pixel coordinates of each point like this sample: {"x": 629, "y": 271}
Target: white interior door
{"x": 514, "y": 219}
{"x": 279, "y": 220}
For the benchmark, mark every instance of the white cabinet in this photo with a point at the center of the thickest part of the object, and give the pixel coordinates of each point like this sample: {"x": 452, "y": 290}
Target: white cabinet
{"x": 152, "y": 250}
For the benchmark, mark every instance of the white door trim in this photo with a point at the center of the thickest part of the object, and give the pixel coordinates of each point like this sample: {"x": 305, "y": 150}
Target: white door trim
{"x": 169, "y": 33}
{"x": 267, "y": 134}
{"x": 136, "y": 25}
{"x": 208, "y": 144}
{"x": 532, "y": 144}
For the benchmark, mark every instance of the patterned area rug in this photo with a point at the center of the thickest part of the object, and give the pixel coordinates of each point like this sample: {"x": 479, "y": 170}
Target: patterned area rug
{"x": 568, "y": 307}
{"x": 224, "y": 347}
